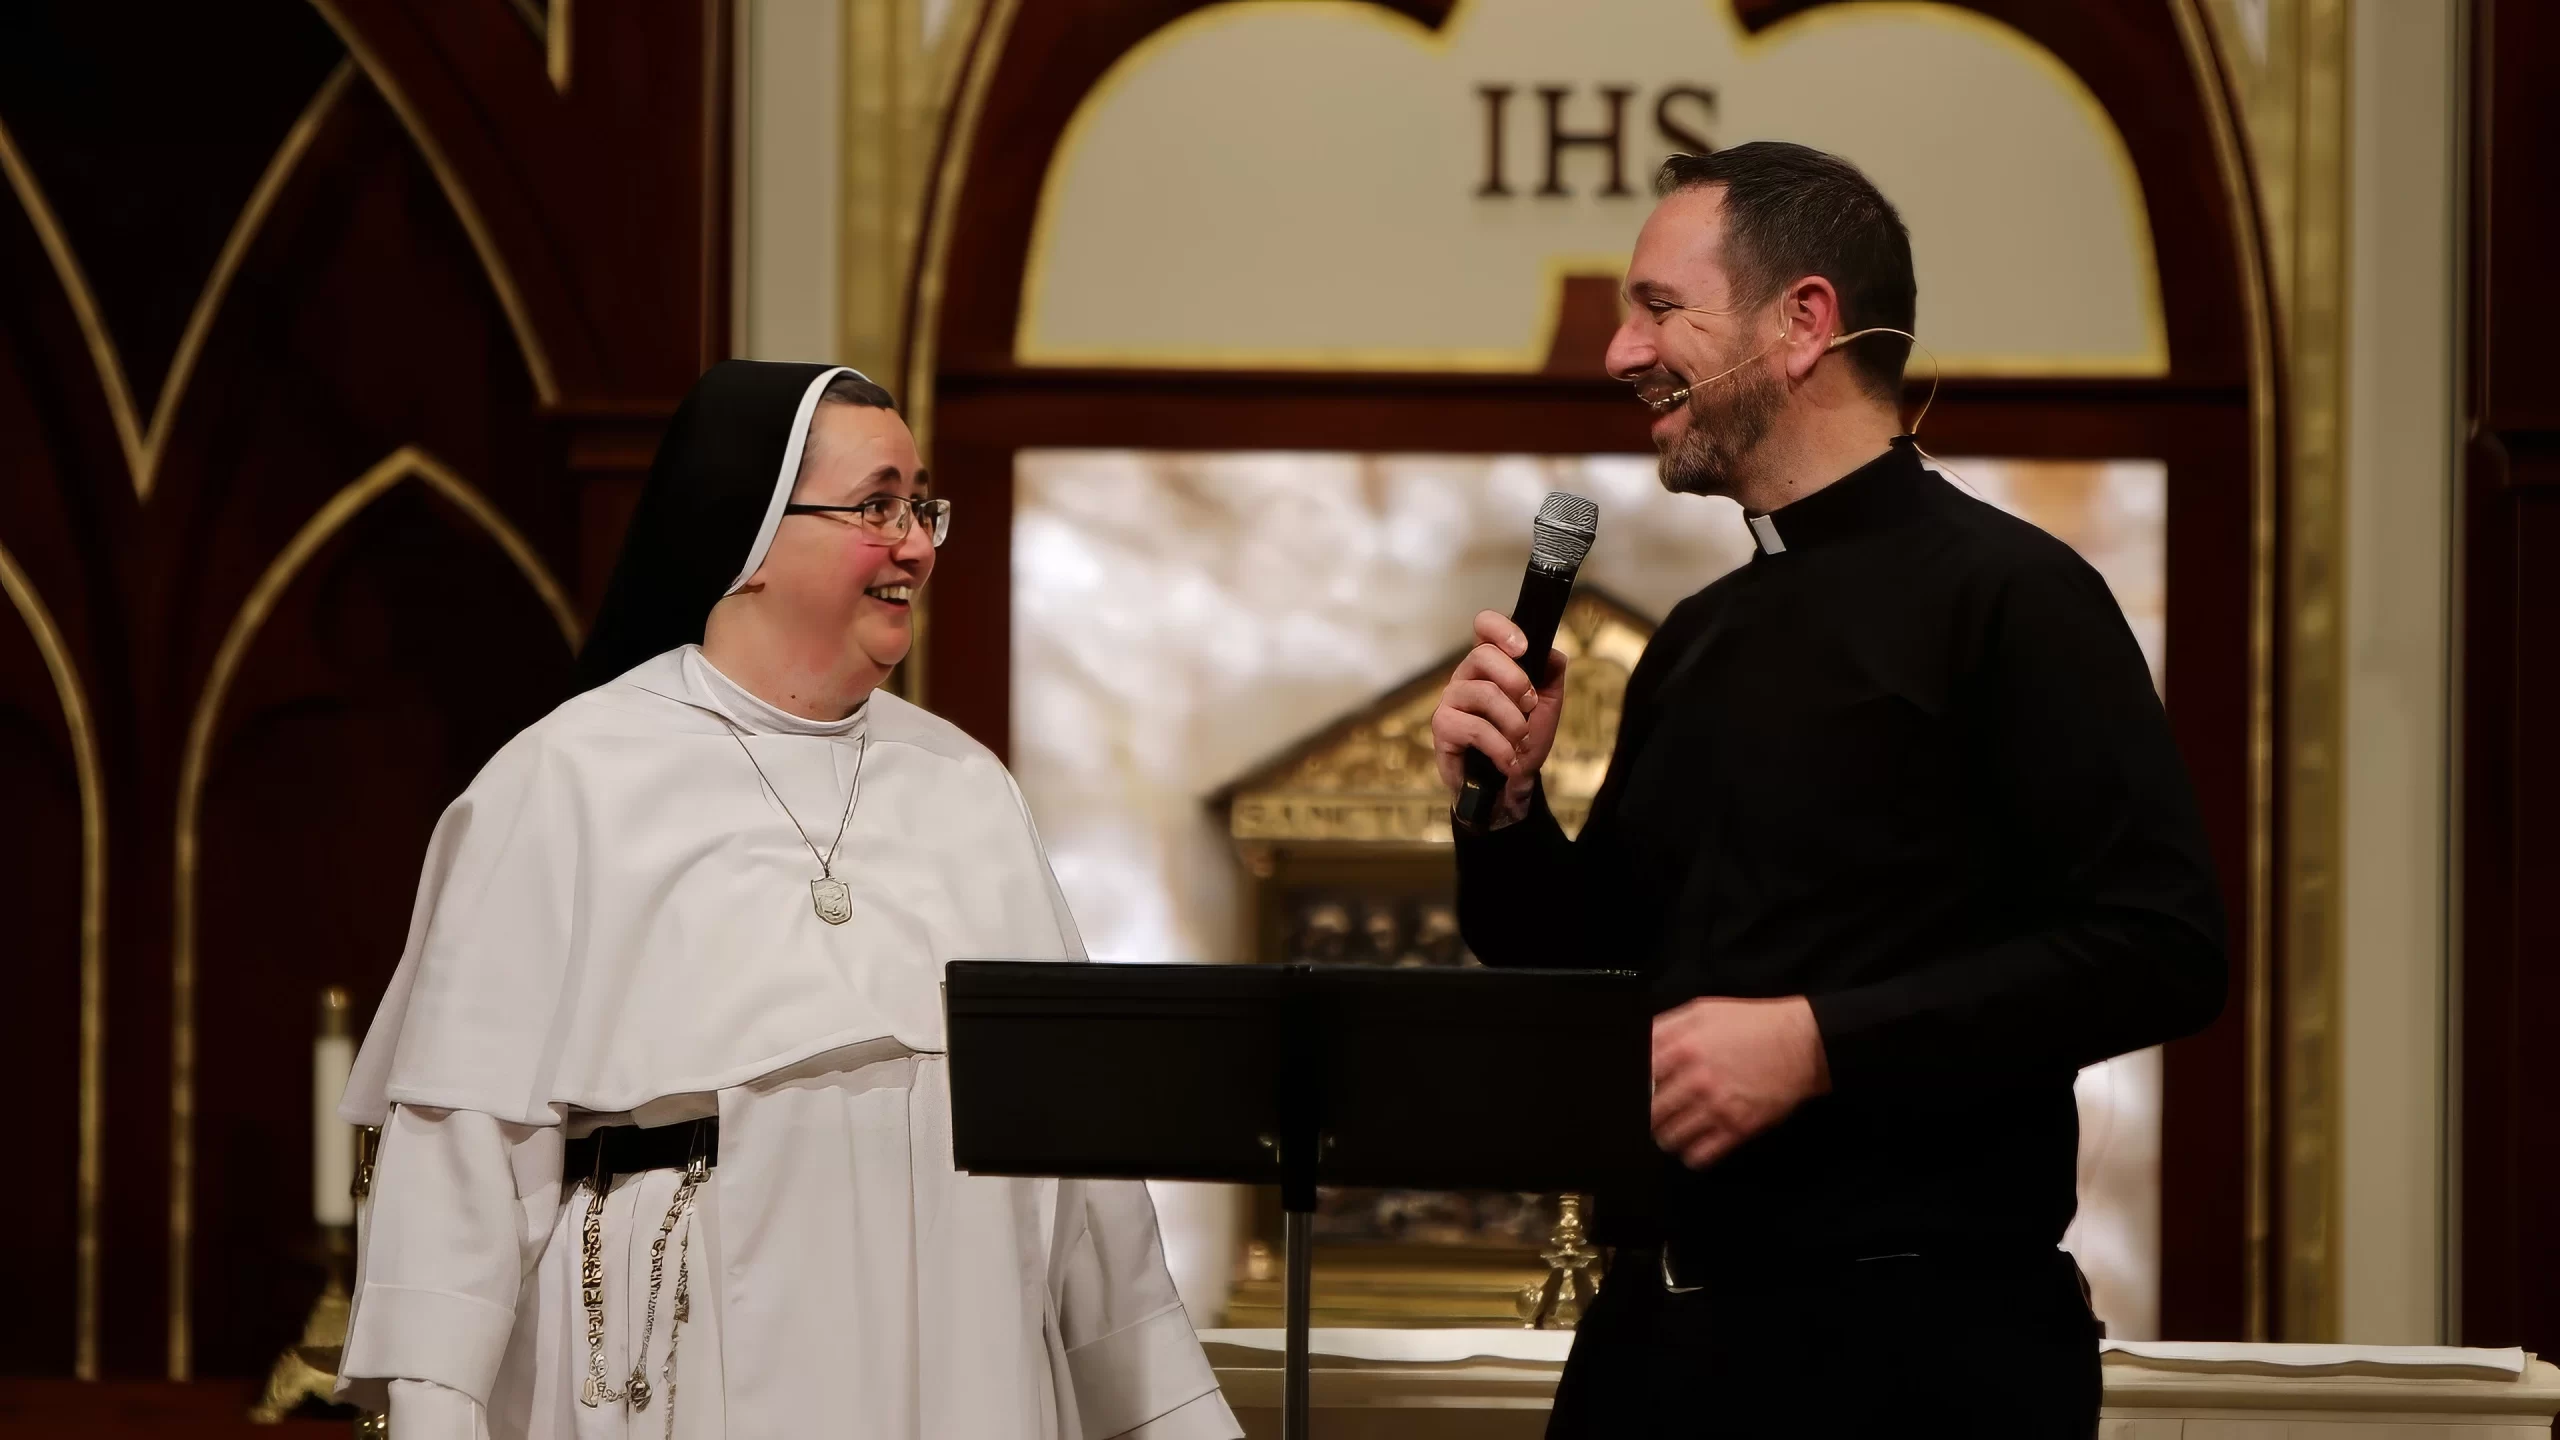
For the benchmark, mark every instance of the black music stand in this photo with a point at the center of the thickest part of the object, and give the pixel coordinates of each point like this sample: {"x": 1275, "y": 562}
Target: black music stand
{"x": 1302, "y": 1075}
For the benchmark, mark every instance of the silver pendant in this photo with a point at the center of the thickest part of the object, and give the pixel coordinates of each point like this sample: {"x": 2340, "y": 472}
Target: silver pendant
{"x": 833, "y": 898}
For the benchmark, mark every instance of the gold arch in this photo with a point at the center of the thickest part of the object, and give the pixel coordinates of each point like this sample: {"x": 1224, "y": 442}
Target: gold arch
{"x": 407, "y": 462}
{"x": 93, "y": 951}
{"x": 142, "y": 441}
{"x": 556, "y": 51}
{"x": 551, "y": 25}
{"x": 2196, "y": 34}
{"x": 537, "y": 361}
{"x": 938, "y": 211}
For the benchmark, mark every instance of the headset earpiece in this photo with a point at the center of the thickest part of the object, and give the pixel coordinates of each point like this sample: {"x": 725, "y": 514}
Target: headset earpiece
{"x": 1839, "y": 340}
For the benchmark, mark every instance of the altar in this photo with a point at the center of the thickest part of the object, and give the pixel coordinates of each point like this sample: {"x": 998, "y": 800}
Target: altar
{"x": 1488, "y": 1384}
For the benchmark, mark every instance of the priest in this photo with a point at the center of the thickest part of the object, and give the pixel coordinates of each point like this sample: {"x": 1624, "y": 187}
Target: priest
{"x": 666, "y": 1121}
{"x": 1897, "y": 830}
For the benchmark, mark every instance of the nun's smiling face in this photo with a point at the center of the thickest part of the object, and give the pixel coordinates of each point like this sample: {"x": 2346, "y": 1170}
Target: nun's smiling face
{"x": 836, "y": 574}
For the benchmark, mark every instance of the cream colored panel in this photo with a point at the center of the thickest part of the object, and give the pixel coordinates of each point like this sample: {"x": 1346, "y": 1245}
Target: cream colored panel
{"x": 2398, "y": 503}
{"x": 1294, "y": 182}
{"x": 789, "y": 129}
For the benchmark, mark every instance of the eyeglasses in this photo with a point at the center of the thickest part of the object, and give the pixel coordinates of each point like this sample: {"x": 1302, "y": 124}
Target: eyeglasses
{"x": 888, "y": 518}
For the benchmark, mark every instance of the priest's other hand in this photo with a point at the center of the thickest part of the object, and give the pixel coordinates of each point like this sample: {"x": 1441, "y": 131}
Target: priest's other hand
{"x": 1725, "y": 1070}
{"x": 1489, "y": 706}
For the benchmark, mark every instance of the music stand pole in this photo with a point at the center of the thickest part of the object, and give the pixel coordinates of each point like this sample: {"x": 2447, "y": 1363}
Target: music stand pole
{"x": 1300, "y": 1241}
{"x": 1300, "y": 1139}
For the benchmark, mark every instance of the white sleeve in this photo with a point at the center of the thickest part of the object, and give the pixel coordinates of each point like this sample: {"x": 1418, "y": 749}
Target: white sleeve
{"x": 461, "y": 1207}
{"x": 1204, "y": 1418}
{"x": 424, "y": 1410}
{"x": 1136, "y": 1366}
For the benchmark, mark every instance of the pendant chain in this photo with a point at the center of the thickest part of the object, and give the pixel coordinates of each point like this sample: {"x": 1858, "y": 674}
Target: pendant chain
{"x": 684, "y": 1316}
{"x": 826, "y": 862}
{"x": 635, "y": 1389}
{"x": 591, "y": 1286}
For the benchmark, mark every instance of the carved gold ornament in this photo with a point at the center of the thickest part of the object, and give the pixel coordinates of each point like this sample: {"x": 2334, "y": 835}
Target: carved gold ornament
{"x": 1371, "y": 778}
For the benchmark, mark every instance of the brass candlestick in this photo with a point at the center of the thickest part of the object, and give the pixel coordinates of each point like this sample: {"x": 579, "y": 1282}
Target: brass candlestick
{"x": 1556, "y": 1302}
{"x": 308, "y": 1368}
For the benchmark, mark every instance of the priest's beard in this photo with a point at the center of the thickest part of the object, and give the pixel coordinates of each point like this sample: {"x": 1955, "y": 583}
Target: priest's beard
{"x": 1724, "y": 428}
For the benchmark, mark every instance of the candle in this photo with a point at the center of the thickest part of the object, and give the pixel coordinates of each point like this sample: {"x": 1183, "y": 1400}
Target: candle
{"x": 333, "y": 1141}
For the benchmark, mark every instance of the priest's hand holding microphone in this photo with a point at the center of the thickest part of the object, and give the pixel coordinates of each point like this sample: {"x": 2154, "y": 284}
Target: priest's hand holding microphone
{"x": 1723, "y": 1069}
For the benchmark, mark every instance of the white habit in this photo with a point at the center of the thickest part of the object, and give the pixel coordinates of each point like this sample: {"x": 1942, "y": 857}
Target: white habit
{"x": 615, "y": 927}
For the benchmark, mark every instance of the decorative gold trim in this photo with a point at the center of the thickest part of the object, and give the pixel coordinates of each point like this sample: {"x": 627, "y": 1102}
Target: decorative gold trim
{"x": 2289, "y": 79}
{"x": 879, "y": 122}
{"x": 77, "y": 722}
{"x": 899, "y": 89}
{"x": 2315, "y": 543}
{"x": 551, "y": 23}
{"x": 934, "y": 255}
{"x": 537, "y": 361}
{"x": 555, "y": 46}
{"x": 963, "y": 73}
{"x": 404, "y": 463}
{"x": 142, "y": 442}
{"x": 883, "y": 118}
{"x": 723, "y": 119}
{"x": 1370, "y": 779}
{"x": 2196, "y": 36}
{"x": 1525, "y": 359}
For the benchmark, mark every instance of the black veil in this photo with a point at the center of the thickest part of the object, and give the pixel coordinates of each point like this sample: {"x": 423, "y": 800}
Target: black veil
{"x": 714, "y": 494}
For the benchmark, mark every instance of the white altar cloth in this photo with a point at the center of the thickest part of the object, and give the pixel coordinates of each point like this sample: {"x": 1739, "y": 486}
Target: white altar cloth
{"x": 1418, "y": 1384}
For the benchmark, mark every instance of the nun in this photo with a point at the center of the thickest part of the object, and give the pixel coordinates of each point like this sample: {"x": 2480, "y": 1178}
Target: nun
{"x": 666, "y": 1123}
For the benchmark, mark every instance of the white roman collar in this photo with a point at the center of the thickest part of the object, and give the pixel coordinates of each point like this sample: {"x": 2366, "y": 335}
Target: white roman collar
{"x": 1764, "y": 529}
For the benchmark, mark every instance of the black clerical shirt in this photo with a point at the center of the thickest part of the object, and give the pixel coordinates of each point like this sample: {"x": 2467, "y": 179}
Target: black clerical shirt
{"x": 1910, "y": 766}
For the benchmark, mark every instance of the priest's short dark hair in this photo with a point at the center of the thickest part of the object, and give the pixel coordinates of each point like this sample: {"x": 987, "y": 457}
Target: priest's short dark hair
{"x": 1791, "y": 211}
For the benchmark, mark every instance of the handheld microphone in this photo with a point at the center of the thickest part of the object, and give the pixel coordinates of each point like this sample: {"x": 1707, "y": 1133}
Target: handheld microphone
{"x": 1558, "y": 539}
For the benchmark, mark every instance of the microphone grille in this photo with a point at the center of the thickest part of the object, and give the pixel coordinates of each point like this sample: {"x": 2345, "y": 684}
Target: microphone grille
{"x": 1563, "y": 532}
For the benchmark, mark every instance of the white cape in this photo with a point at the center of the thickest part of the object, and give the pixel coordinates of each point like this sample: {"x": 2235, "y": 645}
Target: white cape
{"x": 616, "y": 909}
{"x": 615, "y": 918}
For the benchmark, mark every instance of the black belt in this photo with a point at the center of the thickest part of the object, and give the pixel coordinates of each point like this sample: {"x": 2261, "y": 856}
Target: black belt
{"x": 630, "y": 1149}
{"x": 1663, "y": 1262}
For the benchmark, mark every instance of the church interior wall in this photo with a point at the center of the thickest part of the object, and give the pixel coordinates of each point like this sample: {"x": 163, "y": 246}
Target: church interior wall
{"x": 323, "y": 391}
{"x": 220, "y": 753}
